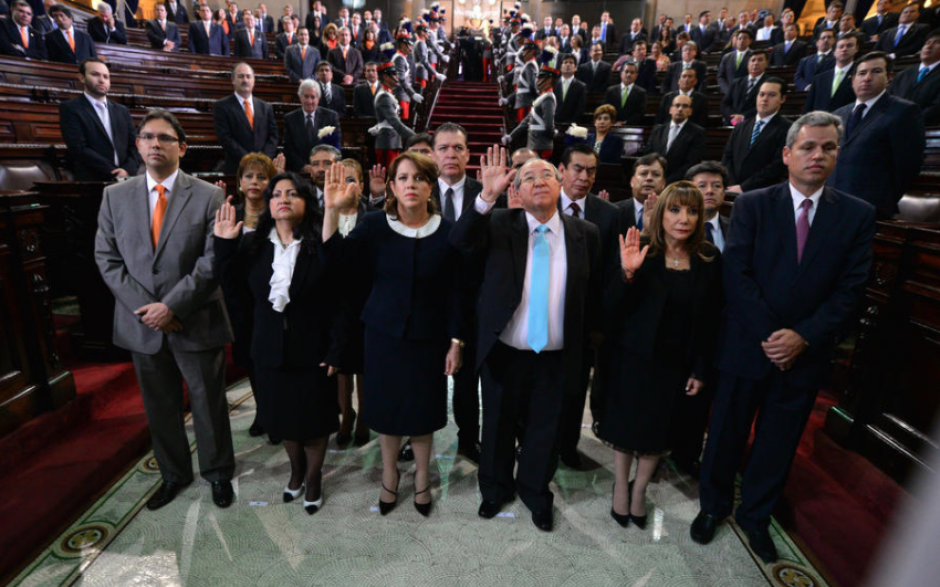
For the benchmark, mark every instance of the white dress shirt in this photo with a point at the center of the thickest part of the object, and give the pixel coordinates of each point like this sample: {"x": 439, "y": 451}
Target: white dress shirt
{"x": 347, "y": 222}
{"x": 718, "y": 239}
{"x": 168, "y": 183}
{"x": 282, "y": 270}
{"x": 457, "y": 195}
{"x": 763, "y": 33}
{"x": 516, "y": 332}
{"x": 798, "y": 198}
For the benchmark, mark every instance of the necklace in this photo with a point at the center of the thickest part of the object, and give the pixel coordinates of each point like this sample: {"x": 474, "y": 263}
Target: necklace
{"x": 675, "y": 262}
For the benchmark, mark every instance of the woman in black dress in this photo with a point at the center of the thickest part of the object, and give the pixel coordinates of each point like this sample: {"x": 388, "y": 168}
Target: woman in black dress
{"x": 665, "y": 315}
{"x": 285, "y": 283}
{"x": 413, "y": 316}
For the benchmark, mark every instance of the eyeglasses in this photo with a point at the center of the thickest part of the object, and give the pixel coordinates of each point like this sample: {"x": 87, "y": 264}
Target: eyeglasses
{"x": 149, "y": 137}
{"x": 547, "y": 176}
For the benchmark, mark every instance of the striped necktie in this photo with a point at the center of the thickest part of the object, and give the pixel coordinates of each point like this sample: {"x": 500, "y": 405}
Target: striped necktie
{"x": 757, "y": 128}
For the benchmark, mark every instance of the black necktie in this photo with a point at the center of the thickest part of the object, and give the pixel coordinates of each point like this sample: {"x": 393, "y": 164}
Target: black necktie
{"x": 855, "y": 120}
{"x": 309, "y": 125}
{"x": 449, "y": 213}
{"x": 709, "y": 232}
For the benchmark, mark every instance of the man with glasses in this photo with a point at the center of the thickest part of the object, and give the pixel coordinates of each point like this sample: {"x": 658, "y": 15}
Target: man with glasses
{"x": 154, "y": 251}
{"x": 99, "y": 134}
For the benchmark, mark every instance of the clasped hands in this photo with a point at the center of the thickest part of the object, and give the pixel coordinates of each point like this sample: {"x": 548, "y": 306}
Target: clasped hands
{"x": 783, "y": 347}
{"x": 160, "y": 317}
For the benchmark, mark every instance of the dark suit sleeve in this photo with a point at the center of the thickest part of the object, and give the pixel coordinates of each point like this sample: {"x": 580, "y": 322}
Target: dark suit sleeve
{"x": 580, "y": 106}
{"x": 593, "y": 315}
{"x": 908, "y": 142}
{"x": 77, "y": 142}
{"x": 131, "y": 161}
{"x": 832, "y": 315}
{"x": 192, "y": 38}
{"x": 696, "y": 153}
{"x": 119, "y": 34}
{"x": 223, "y": 131}
{"x": 270, "y": 146}
{"x": 471, "y": 232}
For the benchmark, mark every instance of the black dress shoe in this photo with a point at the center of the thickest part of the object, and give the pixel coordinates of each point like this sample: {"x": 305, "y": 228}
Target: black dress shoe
{"x": 470, "y": 451}
{"x": 543, "y": 520}
{"x": 406, "y": 453}
{"x": 489, "y": 509}
{"x": 362, "y": 439}
{"x": 222, "y": 493}
{"x": 762, "y": 545}
{"x": 274, "y": 439}
{"x": 164, "y": 495}
{"x": 703, "y": 528}
{"x": 572, "y": 459}
{"x": 255, "y": 429}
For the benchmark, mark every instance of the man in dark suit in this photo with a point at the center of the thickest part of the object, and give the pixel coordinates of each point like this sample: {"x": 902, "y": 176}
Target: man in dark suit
{"x": 301, "y": 59}
{"x": 161, "y": 33}
{"x": 921, "y": 84}
{"x": 578, "y": 169}
{"x": 671, "y": 79}
{"x": 570, "y": 94}
{"x": 332, "y": 95}
{"x": 343, "y": 20}
{"x": 830, "y": 21}
{"x": 18, "y": 38}
{"x": 364, "y": 94}
{"x": 629, "y": 38}
{"x": 645, "y": 67}
{"x": 530, "y": 349}
{"x": 249, "y": 42}
{"x": 790, "y": 51}
{"x": 547, "y": 30}
{"x": 154, "y": 250}
{"x": 703, "y": 34}
{"x": 740, "y": 101}
{"x": 285, "y": 39}
{"x": 883, "y": 20}
{"x": 687, "y": 83}
{"x": 627, "y": 98}
{"x": 595, "y": 74}
{"x": 346, "y": 60}
{"x": 608, "y": 32}
{"x": 233, "y": 18}
{"x": 734, "y": 65}
{"x": 818, "y": 62}
{"x": 753, "y": 153}
{"x": 302, "y": 127}
{"x": 680, "y": 141}
{"x": 264, "y": 21}
{"x": 176, "y": 12}
{"x": 883, "y": 146}
{"x": 43, "y": 23}
{"x": 244, "y": 124}
{"x": 795, "y": 266}
{"x": 67, "y": 44}
{"x": 99, "y": 134}
{"x": 660, "y": 25}
{"x": 205, "y": 36}
{"x": 105, "y": 29}
{"x": 647, "y": 181}
{"x": 832, "y": 88}
{"x": 907, "y": 38}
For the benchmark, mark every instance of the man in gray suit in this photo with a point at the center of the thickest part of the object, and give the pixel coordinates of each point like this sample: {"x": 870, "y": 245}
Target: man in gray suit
{"x": 154, "y": 251}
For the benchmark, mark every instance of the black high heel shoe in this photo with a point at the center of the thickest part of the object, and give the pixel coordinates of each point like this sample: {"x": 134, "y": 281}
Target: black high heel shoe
{"x": 256, "y": 429}
{"x": 638, "y": 521}
{"x": 423, "y": 508}
{"x": 622, "y": 519}
{"x": 387, "y": 506}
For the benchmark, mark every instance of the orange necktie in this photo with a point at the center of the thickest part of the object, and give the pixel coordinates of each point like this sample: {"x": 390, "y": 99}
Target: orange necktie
{"x": 163, "y": 25}
{"x": 249, "y": 114}
{"x": 71, "y": 40}
{"x": 373, "y": 89}
{"x": 159, "y": 211}
{"x": 25, "y": 36}
{"x": 303, "y": 53}
{"x": 344, "y": 52}
{"x": 251, "y": 39}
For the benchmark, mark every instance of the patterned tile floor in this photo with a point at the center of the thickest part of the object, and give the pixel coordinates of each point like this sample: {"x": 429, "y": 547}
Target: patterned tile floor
{"x": 262, "y": 541}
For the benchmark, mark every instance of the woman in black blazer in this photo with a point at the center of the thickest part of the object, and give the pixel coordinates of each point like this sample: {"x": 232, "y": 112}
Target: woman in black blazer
{"x": 608, "y": 147}
{"x": 291, "y": 292}
{"x": 664, "y": 315}
{"x": 370, "y": 46}
{"x": 414, "y": 314}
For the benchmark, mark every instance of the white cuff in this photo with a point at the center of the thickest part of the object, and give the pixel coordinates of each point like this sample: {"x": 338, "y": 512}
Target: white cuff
{"x": 482, "y": 206}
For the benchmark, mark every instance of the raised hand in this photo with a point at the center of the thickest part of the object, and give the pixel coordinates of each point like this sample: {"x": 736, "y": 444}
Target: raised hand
{"x": 514, "y": 199}
{"x": 336, "y": 192}
{"x": 604, "y": 195}
{"x": 631, "y": 255}
{"x": 220, "y": 184}
{"x": 497, "y": 176}
{"x": 648, "y": 206}
{"x": 280, "y": 163}
{"x": 225, "y": 225}
{"x": 377, "y": 181}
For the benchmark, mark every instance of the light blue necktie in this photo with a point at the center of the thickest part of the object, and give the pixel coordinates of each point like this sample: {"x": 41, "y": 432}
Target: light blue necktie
{"x": 901, "y": 30}
{"x": 756, "y": 133}
{"x": 922, "y": 73}
{"x": 538, "y": 292}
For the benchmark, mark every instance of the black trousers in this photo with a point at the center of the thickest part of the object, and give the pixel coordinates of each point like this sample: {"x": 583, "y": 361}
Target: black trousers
{"x": 520, "y": 386}
{"x": 690, "y": 422}
{"x": 466, "y": 398}
{"x": 572, "y": 412}
{"x": 784, "y": 410}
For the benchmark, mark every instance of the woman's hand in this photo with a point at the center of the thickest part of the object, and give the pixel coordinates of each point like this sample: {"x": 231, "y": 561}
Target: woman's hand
{"x": 377, "y": 181}
{"x": 225, "y": 225}
{"x": 631, "y": 256}
{"x": 221, "y": 184}
{"x": 280, "y": 163}
{"x": 497, "y": 176}
{"x": 338, "y": 194}
{"x": 693, "y": 386}
{"x": 454, "y": 359}
{"x": 330, "y": 369}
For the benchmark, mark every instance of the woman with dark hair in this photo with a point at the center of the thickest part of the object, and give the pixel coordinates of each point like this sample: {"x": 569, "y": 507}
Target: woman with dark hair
{"x": 660, "y": 56}
{"x": 608, "y": 147}
{"x": 370, "y": 46}
{"x": 413, "y": 315}
{"x": 667, "y": 41}
{"x": 664, "y": 311}
{"x": 284, "y": 282}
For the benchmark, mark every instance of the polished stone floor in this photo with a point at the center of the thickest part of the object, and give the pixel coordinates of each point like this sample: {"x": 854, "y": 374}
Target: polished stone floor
{"x": 262, "y": 541}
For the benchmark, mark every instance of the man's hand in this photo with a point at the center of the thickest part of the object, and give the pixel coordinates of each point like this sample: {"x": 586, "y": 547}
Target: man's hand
{"x": 604, "y": 195}
{"x": 783, "y": 347}
{"x": 735, "y": 189}
{"x": 496, "y": 175}
{"x": 174, "y": 326}
{"x": 169, "y": 46}
{"x": 693, "y": 386}
{"x": 348, "y": 79}
{"x": 377, "y": 181}
{"x": 736, "y": 118}
{"x": 330, "y": 369}
{"x": 120, "y": 173}
{"x": 280, "y": 163}
{"x": 156, "y": 315}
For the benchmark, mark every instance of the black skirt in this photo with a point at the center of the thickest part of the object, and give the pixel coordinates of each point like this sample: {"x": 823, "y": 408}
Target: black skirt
{"x": 299, "y": 404}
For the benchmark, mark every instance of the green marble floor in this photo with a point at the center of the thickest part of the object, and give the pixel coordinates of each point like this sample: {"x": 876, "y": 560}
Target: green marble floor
{"x": 261, "y": 541}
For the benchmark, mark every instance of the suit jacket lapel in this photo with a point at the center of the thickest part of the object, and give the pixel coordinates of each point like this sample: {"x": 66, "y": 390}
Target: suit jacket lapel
{"x": 117, "y": 134}
{"x": 471, "y": 190}
{"x": 301, "y": 273}
{"x": 519, "y": 236}
{"x": 142, "y": 215}
{"x": 870, "y": 116}
{"x": 575, "y": 255}
{"x": 787, "y": 225}
{"x": 90, "y": 110}
{"x": 183, "y": 190}
{"x": 744, "y": 146}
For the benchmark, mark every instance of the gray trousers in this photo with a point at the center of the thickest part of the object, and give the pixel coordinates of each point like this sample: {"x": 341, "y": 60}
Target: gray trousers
{"x": 161, "y": 383}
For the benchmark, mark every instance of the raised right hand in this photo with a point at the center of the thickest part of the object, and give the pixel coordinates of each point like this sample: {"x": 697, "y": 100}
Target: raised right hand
{"x": 496, "y": 174}
{"x": 631, "y": 256}
{"x": 225, "y": 225}
{"x": 337, "y": 193}
{"x": 377, "y": 181}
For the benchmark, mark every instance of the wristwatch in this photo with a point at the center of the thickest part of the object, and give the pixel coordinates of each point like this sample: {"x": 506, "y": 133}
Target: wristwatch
{"x": 458, "y": 342}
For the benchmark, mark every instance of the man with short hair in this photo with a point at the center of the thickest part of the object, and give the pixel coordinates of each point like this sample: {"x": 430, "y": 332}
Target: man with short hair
{"x": 43, "y": 23}
{"x": 322, "y": 157}
{"x": 647, "y": 180}
{"x": 206, "y": 37}
{"x": 105, "y": 29}
{"x": 645, "y": 67}
{"x": 832, "y": 88}
{"x": 734, "y": 65}
{"x": 422, "y": 143}
{"x": 520, "y": 156}
{"x": 343, "y": 20}
{"x": 790, "y": 51}
{"x": 829, "y": 22}
{"x": 883, "y": 20}
{"x": 688, "y": 61}
{"x": 608, "y": 31}
{"x": 67, "y": 44}
{"x": 302, "y": 127}
{"x": 249, "y": 42}
{"x": 595, "y": 74}
{"x": 740, "y": 101}
{"x": 301, "y": 58}
{"x": 921, "y": 84}
{"x": 162, "y": 33}
{"x": 795, "y": 265}
{"x": 636, "y": 34}
{"x": 364, "y": 94}
{"x": 687, "y": 83}
{"x": 569, "y": 93}
{"x": 883, "y": 146}
{"x": 345, "y": 59}
{"x": 703, "y": 34}
{"x": 99, "y": 134}
{"x": 17, "y": 37}
{"x": 660, "y": 25}
{"x": 680, "y": 141}
{"x": 753, "y": 155}
{"x": 846, "y": 25}
{"x": 265, "y": 22}
{"x": 711, "y": 178}
{"x": 285, "y": 39}
{"x": 820, "y": 61}
{"x": 332, "y": 96}
{"x": 244, "y": 124}
{"x": 627, "y": 98}
{"x": 546, "y": 30}
{"x": 907, "y": 37}
{"x": 154, "y": 251}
